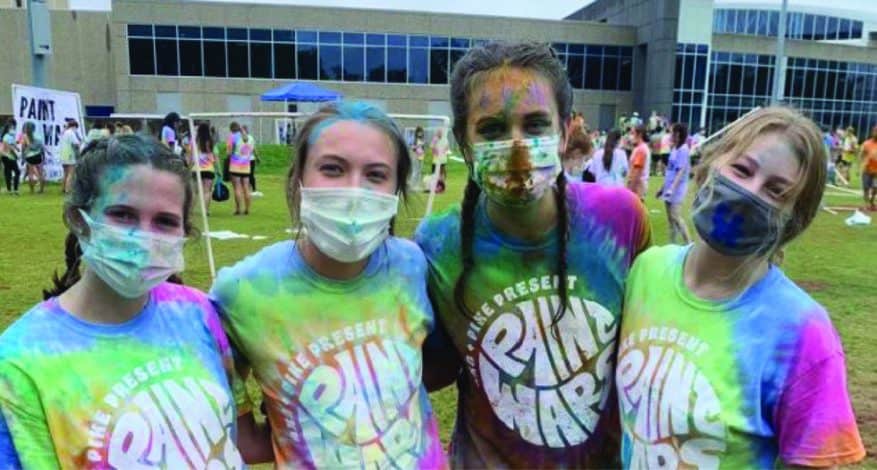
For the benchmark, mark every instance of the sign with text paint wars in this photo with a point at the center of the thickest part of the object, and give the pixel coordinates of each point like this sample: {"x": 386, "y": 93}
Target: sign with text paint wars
{"x": 47, "y": 109}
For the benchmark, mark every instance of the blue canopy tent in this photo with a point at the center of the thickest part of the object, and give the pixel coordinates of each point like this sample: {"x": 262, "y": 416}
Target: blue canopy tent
{"x": 301, "y": 91}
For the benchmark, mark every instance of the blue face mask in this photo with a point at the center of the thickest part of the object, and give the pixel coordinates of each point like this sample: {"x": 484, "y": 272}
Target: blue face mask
{"x": 734, "y": 221}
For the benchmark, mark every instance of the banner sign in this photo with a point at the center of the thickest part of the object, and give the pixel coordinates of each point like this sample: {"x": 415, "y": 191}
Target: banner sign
{"x": 47, "y": 109}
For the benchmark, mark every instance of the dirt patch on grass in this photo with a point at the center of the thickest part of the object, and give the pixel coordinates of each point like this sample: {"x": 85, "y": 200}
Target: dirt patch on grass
{"x": 813, "y": 286}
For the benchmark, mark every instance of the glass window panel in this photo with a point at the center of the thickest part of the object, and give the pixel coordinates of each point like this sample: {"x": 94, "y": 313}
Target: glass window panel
{"x": 719, "y": 21}
{"x": 593, "y": 72}
{"x": 748, "y": 87}
{"x": 397, "y": 64}
{"x": 735, "y": 79}
{"x": 307, "y": 37}
{"x": 819, "y": 87}
{"x": 764, "y": 82}
{"x": 677, "y": 76}
{"x": 330, "y": 61}
{"x": 190, "y": 58}
{"x": 330, "y": 37}
{"x": 819, "y": 27}
{"x": 456, "y": 55}
{"x": 356, "y": 39}
{"x": 165, "y": 31}
{"x": 740, "y": 22}
{"x": 396, "y": 40}
{"x": 730, "y": 21}
{"x": 625, "y": 73}
{"x": 610, "y": 73}
{"x": 440, "y": 42}
{"x": 260, "y": 60}
{"x": 596, "y": 51}
{"x": 306, "y": 55}
{"x": 460, "y": 43}
{"x": 284, "y": 61}
{"x": 214, "y": 58}
{"x": 260, "y": 35}
{"x": 700, "y": 72}
{"x": 575, "y": 70}
{"x": 763, "y": 19}
{"x": 238, "y": 59}
{"x": 797, "y": 83}
{"x": 438, "y": 66}
{"x": 610, "y": 50}
{"x": 284, "y": 35}
{"x": 418, "y": 41}
{"x": 166, "y": 57}
{"x": 141, "y": 56}
{"x": 236, "y": 33}
{"x": 190, "y": 32}
{"x": 375, "y": 39}
{"x": 843, "y": 32}
{"x": 418, "y": 65}
{"x": 807, "y": 27}
{"x": 214, "y": 33}
{"x": 832, "y": 25}
{"x": 752, "y": 22}
{"x": 576, "y": 49}
{"x": 773, "y": 23}
{"x": 140, "y": 30}
{"x": 375, "y": 64}
{"x": 856, "y": 31}
{"x": 354, "y": 58}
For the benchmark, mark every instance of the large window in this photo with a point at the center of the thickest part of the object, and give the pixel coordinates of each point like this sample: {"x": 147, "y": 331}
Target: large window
{"x": 194, "y": 51}
{"x": 689, "y": 84}
{"x": 799, "y": 25}
{"x": 832, "y": 93}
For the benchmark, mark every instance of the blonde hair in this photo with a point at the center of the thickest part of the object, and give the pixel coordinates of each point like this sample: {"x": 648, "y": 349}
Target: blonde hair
{"x": 803, "y": 137}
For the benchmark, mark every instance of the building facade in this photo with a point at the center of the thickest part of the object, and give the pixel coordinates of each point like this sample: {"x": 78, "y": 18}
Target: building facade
{"x": 702, "y": 62}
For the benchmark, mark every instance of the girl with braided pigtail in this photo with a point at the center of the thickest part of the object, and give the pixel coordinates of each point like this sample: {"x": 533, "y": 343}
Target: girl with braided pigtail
{"x": 527, "y": 276}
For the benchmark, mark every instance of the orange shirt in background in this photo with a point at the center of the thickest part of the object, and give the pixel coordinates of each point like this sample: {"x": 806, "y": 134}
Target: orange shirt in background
{"x": 869, "y": 153}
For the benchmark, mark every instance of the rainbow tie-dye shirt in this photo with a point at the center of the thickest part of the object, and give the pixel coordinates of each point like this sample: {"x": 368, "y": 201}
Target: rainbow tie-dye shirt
{"x": 151, "y": 392}
{"x": 731, "y": 384}
{"x": 338, "y": 362}
{"x": 530, "y": 395}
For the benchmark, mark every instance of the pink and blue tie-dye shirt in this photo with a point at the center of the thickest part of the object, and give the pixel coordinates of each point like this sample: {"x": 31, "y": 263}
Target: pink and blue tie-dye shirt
{"x": 530, "y": 395}
{"x": 151, "y": 392}
{"x": 733, "y": 384}
{"x": 338, "y": 362}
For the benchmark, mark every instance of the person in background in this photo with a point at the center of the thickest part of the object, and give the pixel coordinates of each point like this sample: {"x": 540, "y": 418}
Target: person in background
{"x": 868, "y": 155}
{"x": 206, "y": 163}
{"x": 331, "y": 323}
{"x": 254, "y": 159}
{"x": 118, "y": 368}
{"x": 69, "y": 152}
{"x": 34, "y": 153}
{"x": 439, "y": 149}
{"x": 9, "y": 157}
{"x": 609, "y": 163}
{"x": 850, "y": 148}
{"x": 743, "y": 368}
{"x": 239, "y": 164}
{"x": 168, "y": 135}
{"x": 575, "y": 157}
{"x": 95, "y": 133}
{"x": 640, "y": 158}
{"x": 654, "y": 123}
{"x": 676, "y": 184}
{"x": 418, "y": 149}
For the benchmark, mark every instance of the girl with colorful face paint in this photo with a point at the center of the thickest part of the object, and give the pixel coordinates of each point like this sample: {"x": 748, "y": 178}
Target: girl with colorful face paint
{"x": 527, "y": 276}
{"x": 331, "y": 324}
{"x": 724, "y": 361}
{"x": 118, "y": 368}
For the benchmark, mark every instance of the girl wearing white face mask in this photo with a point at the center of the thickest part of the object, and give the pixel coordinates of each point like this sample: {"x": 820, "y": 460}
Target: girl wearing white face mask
{"x": 116, "y": 361}
{"x": 331, "y": 323}
{"x": 527, "y": 275}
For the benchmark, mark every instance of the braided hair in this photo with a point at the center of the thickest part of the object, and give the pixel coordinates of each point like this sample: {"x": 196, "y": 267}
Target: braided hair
{"x": 466, "y": 75}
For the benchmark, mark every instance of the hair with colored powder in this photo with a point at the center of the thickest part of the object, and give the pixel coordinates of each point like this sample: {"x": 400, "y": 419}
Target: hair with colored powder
{"x": 803, "y": 138}
{"x": 469, "y": 73}
{"x": 98, "y": 157}
{"x": 329, "y": 115}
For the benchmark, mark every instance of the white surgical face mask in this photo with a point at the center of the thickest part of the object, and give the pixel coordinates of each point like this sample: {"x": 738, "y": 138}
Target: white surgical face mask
{"x": 347, "y": 224}
{"x": 516, "y": 173}
{"x": 130, "y": 261}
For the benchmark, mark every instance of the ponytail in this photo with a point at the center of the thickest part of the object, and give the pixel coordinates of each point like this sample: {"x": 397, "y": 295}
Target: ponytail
{"x": 609, "y": 148}
{"x": 72, "y": 258}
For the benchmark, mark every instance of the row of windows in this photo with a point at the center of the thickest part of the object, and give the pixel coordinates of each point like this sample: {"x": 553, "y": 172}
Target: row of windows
{"x": 193, "y": 51}
{"x": 689, "y": 83}
{"x": 832, "y": 93}
{"x": 798, "y": 25}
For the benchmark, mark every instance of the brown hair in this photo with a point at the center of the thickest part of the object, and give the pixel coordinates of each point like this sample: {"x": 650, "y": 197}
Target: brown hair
{"x": 578, "y": 140}
{"x": 805, "y": 140}
{"x": 353, "y": 111}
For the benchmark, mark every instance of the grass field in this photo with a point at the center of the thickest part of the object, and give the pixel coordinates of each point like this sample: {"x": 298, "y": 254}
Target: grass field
{"x": 831, "y": 261}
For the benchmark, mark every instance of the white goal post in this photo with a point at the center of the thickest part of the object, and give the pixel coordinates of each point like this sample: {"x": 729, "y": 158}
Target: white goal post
{"x": 192, "y": 117}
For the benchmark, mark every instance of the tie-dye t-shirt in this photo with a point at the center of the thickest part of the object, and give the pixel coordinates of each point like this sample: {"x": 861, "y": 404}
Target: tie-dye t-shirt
{"x": 151, "y": 392}
{"x": 731, "y": 384}
{"x": 338, "y": 362}
{"x": 529, "y": 395}
{"x": 240, "y": 151}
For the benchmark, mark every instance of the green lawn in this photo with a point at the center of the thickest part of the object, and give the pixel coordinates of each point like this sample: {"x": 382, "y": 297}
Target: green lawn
{"x": 832, "y": 261}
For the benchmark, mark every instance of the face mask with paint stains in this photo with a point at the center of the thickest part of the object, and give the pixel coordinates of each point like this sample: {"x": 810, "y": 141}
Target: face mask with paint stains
{"x": 516, "y": 173}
